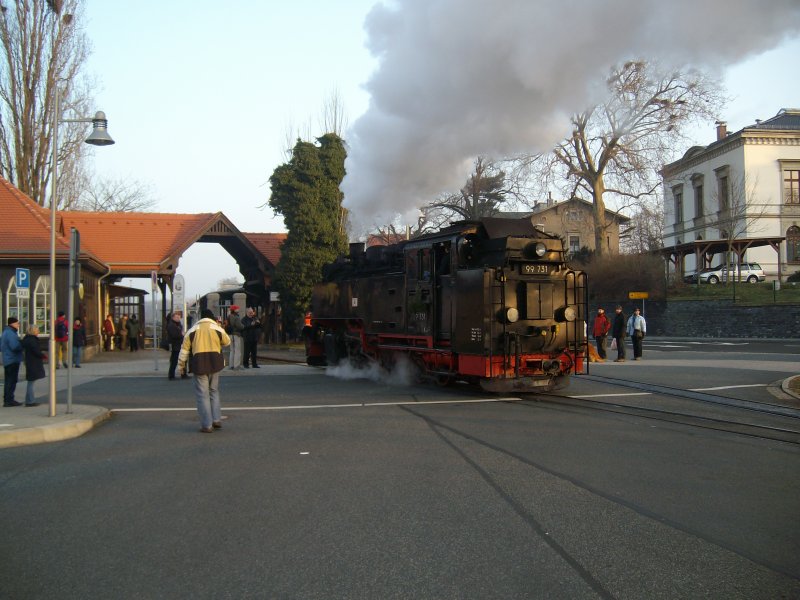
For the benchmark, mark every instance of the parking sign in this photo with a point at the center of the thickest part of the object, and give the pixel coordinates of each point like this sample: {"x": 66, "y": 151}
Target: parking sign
{"x": 23, "y": 282}
{"x": 23, "y": 279}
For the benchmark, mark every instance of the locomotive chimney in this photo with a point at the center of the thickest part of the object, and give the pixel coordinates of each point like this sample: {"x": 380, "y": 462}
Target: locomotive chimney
{"x": 356, "y": 251}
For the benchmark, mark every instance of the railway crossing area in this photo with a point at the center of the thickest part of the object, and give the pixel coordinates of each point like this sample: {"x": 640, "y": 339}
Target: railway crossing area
{"x": 674, "y": 477}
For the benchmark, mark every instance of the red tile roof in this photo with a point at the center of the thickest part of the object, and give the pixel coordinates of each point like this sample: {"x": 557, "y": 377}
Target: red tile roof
{"x": 130, "y": 243}
{"x": 24, "y": 225}
{"x": 385, "y": 239}
{"x": 269, "y": 244}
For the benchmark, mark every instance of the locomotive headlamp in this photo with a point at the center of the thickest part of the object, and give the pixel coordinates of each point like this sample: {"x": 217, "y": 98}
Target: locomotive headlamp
{"x": 566, "y": 313}
{"x": 535, "y": 250}
{"x": 510, "y": 315}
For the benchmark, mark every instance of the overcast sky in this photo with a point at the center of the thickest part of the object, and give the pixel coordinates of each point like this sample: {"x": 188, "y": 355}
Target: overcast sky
{"x": 200, "y": 95}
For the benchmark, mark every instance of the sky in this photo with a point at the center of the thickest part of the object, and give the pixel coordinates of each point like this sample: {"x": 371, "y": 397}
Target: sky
{"x": 200, "y": 95}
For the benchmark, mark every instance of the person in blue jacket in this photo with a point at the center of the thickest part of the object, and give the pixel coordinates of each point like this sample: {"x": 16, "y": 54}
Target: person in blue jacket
{"x": 11, "y": 348}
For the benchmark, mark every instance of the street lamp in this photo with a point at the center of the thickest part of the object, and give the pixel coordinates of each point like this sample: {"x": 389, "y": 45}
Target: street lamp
{"x": 98, "y": 137}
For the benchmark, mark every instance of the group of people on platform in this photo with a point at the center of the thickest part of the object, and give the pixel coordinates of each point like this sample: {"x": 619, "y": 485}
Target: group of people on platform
{"x": 243, "y": 332}
{"x": 634, "y": 327}
{"x": 127, "y": 333}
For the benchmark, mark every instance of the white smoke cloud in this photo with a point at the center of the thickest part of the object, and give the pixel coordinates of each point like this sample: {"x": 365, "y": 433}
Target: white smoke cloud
{"x": 403, "y": 372}
{"x": 461, "y": 78}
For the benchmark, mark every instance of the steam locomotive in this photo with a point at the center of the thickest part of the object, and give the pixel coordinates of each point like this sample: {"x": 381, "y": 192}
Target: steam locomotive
{"x": 491, "y": 302}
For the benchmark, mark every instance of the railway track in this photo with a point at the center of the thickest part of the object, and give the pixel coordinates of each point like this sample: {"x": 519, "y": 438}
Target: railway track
{"x": 697, "y": 409}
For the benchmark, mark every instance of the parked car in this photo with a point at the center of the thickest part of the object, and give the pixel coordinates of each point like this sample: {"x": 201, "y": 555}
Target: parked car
{"x": 749, "y": 272}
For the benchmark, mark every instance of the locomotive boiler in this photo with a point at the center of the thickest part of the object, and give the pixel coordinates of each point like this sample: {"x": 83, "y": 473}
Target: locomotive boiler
{"x": 491, "y": 302}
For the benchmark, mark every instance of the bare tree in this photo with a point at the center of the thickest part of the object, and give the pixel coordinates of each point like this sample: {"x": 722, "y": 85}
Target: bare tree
{"x": 617, "y": 147}
{"x": 333, "y": 117}
{"x": 42, "y": 46}
{"x": 481, "y": 196}
{"x": 643, "y": 233}
{"x": 116, "y": 195}
{"x": 740, "y": 211}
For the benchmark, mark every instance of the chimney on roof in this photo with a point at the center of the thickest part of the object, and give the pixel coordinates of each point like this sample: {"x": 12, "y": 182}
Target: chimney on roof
{"x": 722, "y": 130}
{"x": 549, "y": 199}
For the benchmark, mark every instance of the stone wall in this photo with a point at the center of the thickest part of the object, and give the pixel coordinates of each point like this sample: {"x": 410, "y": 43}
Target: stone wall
{"x": 713, "y": 319}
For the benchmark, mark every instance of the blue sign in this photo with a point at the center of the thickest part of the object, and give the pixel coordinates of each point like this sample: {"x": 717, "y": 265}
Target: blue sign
{"x": 23, "y": 279}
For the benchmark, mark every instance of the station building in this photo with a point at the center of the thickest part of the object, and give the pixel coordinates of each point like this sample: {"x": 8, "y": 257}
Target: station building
{"x": 114, "y": 246}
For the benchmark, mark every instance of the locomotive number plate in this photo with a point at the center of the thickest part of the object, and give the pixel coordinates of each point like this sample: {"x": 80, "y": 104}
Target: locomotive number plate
{"x": 535, "y": 269}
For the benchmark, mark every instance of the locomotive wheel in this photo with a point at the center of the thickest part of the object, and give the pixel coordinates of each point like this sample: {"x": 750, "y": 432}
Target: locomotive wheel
{"x": 444, "y": 380}
{"x": 333, "y": 351}
{"x": 560, "y": 382}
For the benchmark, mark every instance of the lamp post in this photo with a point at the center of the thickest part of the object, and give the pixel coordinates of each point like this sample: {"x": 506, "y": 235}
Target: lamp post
{"x": 98, "y": 137}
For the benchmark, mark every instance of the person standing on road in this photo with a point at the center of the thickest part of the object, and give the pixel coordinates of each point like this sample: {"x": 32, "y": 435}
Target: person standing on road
{"x": 202, "y": 347}
{"x": 637, "y": 328}
{"x": 600, "y": 331}
{"x": 34, "y": 363}
{"x": 618, "y": 332}
{"x": 175, "y": 338}
{"x": 236, "y": 328}
{"x": 250, "y": 333}
{"x": 62, "y": 340}
{"x": 11, "y": 348}
{"x": 78, "y": 342}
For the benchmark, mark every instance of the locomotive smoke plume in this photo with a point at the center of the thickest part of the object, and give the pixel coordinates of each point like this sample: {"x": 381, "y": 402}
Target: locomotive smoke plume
{"x": 402, "y": 374}
{"x": 462, "y": 78}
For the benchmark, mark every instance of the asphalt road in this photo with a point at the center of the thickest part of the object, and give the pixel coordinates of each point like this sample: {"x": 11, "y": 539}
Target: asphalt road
{"x": 324, "y": 487}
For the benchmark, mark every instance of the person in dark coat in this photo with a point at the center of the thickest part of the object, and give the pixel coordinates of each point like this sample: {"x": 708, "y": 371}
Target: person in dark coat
{"x": 175, "y": 339}
{"x": 618, "y": 332}
{"x": 78, "y": 342}
{"x": 250, "y": 333}
{"x": 134, "y": 329}
{"x": 34, "y": 363}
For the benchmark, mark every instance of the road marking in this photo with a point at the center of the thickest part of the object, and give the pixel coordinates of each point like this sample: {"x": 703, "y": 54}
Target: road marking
{"x": 728, "y": 387}
{"x": 312, "y": 406}
{"x": 613, "y": 395}
{"x": 711, "y": 343}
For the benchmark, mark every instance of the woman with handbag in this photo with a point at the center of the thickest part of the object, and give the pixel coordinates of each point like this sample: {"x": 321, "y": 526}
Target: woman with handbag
{"x": 637, "y": 328}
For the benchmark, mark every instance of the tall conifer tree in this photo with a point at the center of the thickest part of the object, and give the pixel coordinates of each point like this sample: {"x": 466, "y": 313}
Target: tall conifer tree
{"x": 305, "y": 191}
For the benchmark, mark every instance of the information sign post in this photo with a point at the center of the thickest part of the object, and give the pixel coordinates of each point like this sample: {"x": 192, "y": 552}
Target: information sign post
{"x": 639, "y": 296}
{"x": 154, "y": 287}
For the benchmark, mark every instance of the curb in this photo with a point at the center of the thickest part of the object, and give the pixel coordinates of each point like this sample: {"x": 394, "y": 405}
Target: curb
{"x": 785, "y": 387}
{"x": 65, "y": 428}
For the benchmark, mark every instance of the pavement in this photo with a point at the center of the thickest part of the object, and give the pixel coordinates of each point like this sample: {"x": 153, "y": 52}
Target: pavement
{"x": 21, "y": 426}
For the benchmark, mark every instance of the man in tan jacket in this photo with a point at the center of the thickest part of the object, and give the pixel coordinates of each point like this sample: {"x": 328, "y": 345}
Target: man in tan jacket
{"x": 202, "y": 349}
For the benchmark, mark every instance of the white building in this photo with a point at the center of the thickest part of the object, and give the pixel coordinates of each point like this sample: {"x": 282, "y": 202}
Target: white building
{"x": 742, "y": 191}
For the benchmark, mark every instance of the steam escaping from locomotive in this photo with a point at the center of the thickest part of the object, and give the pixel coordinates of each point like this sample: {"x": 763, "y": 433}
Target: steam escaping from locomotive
{"x": 462, "y": 78}
{"x": 402, "y": 373}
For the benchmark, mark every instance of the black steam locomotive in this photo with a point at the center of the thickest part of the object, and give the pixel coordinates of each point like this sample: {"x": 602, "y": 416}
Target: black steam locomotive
{"x": 491, "y": 302}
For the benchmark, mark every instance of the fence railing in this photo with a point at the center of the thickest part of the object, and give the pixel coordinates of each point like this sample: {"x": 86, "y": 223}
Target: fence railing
{"x": 740, "y": 292}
